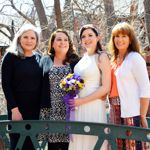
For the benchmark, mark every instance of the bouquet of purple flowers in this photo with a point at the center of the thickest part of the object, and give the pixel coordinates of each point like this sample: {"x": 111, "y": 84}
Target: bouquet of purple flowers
{"x": 71, "y": 84}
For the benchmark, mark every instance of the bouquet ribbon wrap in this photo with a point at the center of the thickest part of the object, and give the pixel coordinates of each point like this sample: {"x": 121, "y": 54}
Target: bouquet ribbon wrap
{"x": 71, "y": 84}
{"x": 69, "y": 110}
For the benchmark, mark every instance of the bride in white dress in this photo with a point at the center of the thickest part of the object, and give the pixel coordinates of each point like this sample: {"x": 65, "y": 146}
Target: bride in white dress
{"x": 94, "y": 67}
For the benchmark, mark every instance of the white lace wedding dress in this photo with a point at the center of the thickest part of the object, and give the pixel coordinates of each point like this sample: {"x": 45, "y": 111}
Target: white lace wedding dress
{"x": 94, "y": 111}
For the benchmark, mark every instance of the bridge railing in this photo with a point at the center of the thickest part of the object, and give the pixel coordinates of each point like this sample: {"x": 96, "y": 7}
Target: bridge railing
{"x": 33, "y": 128}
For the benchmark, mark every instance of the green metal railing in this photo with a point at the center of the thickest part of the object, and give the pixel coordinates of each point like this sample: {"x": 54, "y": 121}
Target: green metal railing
{"x": 103, "y": 131}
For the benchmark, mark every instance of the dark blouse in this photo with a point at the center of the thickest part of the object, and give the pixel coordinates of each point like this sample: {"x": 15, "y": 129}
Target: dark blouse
{"x": 58, "y": 108}
{"x": 22, "y": 83}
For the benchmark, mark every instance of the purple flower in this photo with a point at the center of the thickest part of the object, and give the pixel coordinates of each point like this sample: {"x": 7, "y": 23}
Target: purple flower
{"x": 71, "y": 84}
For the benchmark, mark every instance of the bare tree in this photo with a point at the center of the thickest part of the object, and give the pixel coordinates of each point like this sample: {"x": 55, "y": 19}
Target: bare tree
{"x": 42, "y": 19}
{"x": 110, "y": 15}
{"x": 20, "y": 12}
{"x": 10, "y": 33}
{"x": 99, "y": 12}
{"x": 133, "y": 10}
{"x": 68, "y": 14}
{"x": 58, "y": 13}
{"x": 147, "y": 17}
{"x": 147, "y": 22}
{"x": 27, "y": 16}
{"x": 8, "y": 29}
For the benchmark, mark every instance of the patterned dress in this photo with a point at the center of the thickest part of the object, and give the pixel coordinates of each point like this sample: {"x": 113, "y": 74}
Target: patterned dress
{"x": 58, "y": 108}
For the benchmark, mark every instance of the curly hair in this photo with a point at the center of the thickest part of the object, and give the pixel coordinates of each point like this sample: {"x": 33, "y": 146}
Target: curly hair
{"x": 71, "y": 55}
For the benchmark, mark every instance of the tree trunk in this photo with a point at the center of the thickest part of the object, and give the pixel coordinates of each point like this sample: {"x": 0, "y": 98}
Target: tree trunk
{"x": 147, "y": 17}
{"x": 109, "y": 13}
{"x": 147, "y": 21}
{"x": 58, "y": 13}
{"x": 43, "y": 20}
{"x": 133, "y": 10}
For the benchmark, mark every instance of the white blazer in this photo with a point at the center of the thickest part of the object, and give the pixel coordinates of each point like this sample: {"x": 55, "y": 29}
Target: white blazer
{"x": 132, "y": 83}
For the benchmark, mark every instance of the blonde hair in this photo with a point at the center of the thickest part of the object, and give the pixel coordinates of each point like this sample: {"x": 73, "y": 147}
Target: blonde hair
{"x": 15, "y": 47}
{"x": 125, "y": 29}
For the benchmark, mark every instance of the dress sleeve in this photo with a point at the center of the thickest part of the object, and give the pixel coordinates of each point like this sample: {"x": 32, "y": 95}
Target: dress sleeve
{"x": 7, "y": 78}
{"x": 141, "y": 75}
{"x": 72, "y": 65}
{"x": 45, "y": 98}
{"x": 46, "y": 64}
{"x": 45, "y": 92}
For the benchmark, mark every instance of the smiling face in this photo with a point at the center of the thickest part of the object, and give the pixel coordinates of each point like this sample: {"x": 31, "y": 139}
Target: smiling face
{"x": 61, "y": 43}
{"x": 28, "y": 41}
{"x": 89, "y": 40}
{"x": 122, "y": 42}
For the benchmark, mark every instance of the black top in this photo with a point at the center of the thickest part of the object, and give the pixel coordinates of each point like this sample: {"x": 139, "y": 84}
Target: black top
{"x": 22, "y": 83}
{"x": 58, "y": 108}
{"x": 47, "y": 62}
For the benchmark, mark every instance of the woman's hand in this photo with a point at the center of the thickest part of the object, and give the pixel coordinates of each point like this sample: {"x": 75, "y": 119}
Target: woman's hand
{"x": 144, "y": 123}
{"x": 16, "y": 115}
{"x": 144, "y": 104}
{"x": 72, "y": 103}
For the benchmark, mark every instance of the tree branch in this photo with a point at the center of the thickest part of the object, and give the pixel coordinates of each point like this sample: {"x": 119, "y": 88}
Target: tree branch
{"x": 6, "y": 35}
{"x": 20, "y": 13}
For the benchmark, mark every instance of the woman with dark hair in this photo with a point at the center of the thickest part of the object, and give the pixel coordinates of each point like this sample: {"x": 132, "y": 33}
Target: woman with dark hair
{"x": 130, "y": 88}
{"x": 94, "y": 68}
{"x": 63, "y": 57}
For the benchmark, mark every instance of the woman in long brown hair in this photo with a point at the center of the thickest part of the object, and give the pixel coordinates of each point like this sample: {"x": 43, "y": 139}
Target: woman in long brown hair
{"x": 129, "y": 95}
{"x": 63, "y": 57}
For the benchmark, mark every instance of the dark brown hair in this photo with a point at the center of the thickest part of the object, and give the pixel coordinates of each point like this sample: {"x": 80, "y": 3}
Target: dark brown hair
{"x": 71, "y": 55}
{"x": 90, "y": 26}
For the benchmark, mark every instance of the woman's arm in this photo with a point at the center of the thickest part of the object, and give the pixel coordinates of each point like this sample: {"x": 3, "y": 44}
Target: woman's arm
{"x": 16, "y": 115}
{"x": 144, "y": 104}
{"x": 7, "y": 73}
{"x": 103, "y": 90}
{"x": 45, "y": 104}
{"x": 45, "y": 64}
{"x": 141, "y": 75}
{"x": 45, "y": 92}
{"x": 45, "y": 98}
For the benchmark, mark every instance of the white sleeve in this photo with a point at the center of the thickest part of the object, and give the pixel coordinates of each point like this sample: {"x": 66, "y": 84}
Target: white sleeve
{"x": 141, "y": 75}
